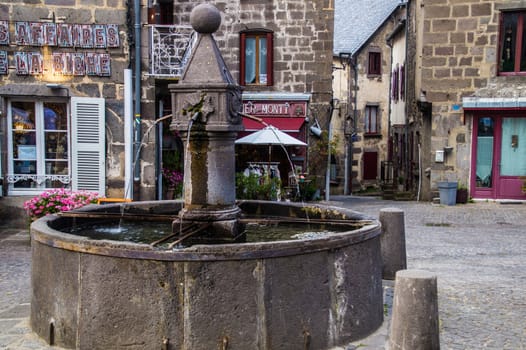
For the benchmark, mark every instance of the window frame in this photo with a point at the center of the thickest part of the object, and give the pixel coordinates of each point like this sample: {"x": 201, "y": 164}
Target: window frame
{"x": 374, "y": 63}
{"x": 40, "y": 158}
{"x": 367, "y": 120}
{"x": 521, "y": 27}
{"x": 256, "y": 33}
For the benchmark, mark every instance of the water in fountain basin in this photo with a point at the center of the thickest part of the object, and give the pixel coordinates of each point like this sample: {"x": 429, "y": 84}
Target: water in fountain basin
{"x": 137, "y": 232}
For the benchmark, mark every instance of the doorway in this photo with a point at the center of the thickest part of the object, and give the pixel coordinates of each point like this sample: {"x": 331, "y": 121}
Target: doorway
{"x": 499, "y": 156}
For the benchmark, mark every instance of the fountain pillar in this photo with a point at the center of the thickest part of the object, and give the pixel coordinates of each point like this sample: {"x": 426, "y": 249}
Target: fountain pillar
{"x": 205, "y": 104}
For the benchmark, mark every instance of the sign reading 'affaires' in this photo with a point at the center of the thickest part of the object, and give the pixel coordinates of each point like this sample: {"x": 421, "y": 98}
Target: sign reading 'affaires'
{"x": 63, "y": 36}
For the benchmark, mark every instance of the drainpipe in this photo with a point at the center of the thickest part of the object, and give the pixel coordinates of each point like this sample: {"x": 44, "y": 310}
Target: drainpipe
{"x": 328, "y": 171}
{"x": 137, "y": 109}
{"x": 128, "y": 135}
{"x": 387, "y": 173}
{"x": 353, "y": 62}
{"x": 406, "y": 108}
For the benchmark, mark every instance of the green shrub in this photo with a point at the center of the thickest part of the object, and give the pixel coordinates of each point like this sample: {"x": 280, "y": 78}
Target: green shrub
{"x": 257, "y": 187}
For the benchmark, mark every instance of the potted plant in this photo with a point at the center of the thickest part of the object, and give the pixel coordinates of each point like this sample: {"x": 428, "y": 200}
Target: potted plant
{"x": 401, "y": 184}
{"x": 462, "y": 193}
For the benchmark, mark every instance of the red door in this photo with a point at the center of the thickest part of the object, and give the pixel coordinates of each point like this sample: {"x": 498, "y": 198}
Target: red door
{"x": 499, "y": 156}
{"x": 370, "y": 165}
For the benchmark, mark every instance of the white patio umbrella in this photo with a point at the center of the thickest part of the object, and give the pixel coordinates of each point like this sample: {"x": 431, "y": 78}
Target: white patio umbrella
{"x": 270, "y": 135}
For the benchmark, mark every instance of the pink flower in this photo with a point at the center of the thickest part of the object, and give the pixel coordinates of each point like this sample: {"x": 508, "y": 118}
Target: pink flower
{"x": 53, "y": 201}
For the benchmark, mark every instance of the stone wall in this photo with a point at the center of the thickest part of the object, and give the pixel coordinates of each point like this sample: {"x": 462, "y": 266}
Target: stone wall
{"x": 302, "y": 41}
{"x": 111, "y": 88}
{"x": 458, "y": 58}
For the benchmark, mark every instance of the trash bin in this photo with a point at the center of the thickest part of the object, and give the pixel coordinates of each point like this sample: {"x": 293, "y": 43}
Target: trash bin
{"x": 448, "y": 192}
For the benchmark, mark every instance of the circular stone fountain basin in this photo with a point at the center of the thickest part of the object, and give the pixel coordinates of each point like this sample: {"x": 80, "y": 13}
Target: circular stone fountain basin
{"x": 312, "y": 293}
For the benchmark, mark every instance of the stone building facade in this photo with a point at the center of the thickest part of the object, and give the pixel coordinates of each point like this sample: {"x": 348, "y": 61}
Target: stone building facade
{"x": 362, "y": 84}
{"x": 468, "y": 101}
{"x": 61, "y": 95}
{"x": 299, "y": 38}
{"x": 295, "y": 90}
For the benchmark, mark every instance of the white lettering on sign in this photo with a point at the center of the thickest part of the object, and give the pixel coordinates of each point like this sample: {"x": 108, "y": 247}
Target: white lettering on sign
{"x": 62, "y": 34}
{"x": 266, "y": 108}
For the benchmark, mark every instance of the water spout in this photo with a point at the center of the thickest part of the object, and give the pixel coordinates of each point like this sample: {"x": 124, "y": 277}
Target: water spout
{"x": 127, "y": 190}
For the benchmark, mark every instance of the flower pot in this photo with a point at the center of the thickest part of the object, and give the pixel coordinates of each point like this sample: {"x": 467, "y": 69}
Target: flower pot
{"x": 462, "y": 195}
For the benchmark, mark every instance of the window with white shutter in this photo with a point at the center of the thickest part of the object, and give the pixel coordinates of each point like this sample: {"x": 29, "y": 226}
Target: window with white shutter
{"x": 88, "y": 144}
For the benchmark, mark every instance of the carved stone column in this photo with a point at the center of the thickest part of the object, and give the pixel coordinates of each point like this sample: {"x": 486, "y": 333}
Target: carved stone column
{"x": 206, "y": 102}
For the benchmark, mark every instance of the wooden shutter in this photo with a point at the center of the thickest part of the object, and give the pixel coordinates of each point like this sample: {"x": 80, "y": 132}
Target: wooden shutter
{"x": 88, "y": 144}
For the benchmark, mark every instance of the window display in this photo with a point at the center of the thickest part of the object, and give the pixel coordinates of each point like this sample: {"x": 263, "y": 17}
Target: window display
{"x": 39, "y": 145}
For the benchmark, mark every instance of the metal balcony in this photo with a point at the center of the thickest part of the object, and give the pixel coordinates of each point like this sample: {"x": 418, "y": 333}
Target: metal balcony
{"x": 170, "y": 49}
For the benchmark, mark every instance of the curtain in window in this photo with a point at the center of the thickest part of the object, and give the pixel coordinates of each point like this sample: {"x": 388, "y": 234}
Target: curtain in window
{"x": 250, "y": 61}
{"x": 513, "y": 147}
{"x": 263, "y": 60}
{"x": 370, "y": 119}
{"x": 484, "y": 164}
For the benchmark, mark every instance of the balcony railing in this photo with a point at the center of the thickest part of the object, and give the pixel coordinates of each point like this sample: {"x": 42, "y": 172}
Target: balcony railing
{"x": 170, "y": 49}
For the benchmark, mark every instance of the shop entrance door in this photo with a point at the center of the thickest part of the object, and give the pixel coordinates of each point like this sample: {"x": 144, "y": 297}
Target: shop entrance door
{"x": 499, "y": 157}
{"x": 512, "y": 158}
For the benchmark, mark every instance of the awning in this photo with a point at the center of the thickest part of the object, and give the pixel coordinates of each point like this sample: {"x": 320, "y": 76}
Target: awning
{"x": 285, "y": 124}
{"x": 474, "y": 103}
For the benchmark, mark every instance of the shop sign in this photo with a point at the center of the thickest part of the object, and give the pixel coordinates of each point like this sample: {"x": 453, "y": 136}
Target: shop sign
{"x": 4, "y": 33}
{"x": 3, "y": 62}
{"x": 60, "y": 35}
{"x": 87, "y": 36}
{"x": 273, "y": 108}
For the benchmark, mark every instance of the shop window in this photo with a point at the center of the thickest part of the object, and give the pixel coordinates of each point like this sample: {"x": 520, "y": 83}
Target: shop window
{"x": 372, "y": 122}
{"x": 512, "y": 43}
{"x": 375, "y": 63}
{"x": 256, "y": 58}
{"x": 41, "y": 149}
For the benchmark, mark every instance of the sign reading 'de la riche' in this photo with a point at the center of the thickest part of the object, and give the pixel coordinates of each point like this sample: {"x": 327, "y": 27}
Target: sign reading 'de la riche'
{"x": 61, "y": 35}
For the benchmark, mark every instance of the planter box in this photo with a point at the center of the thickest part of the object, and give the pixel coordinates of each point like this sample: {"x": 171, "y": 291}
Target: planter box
{"x": 462, "y": 195}
{"x": 448, "y": 192}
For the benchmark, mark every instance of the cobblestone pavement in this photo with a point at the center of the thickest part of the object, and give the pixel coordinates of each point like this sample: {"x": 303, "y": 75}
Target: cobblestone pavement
{"x": 477, "y": 251}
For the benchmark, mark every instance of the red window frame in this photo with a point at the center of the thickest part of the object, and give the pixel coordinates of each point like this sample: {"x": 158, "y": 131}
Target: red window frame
{"x": 242, "y": 61}
{"x": 518, "y": 49}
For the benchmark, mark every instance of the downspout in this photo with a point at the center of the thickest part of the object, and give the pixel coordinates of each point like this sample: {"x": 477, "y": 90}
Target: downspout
{"x": 406, "y": 106}
{"x": 389, "y": 116}
{"x": 137, "y": 108}
{"x": 128, "y": 135}
{"x": 354, "y": 64}
{"x": 328, "y": 171}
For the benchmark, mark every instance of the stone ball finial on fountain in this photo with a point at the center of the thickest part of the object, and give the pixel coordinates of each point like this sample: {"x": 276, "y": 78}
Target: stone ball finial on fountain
{"x": 205, "y": 18}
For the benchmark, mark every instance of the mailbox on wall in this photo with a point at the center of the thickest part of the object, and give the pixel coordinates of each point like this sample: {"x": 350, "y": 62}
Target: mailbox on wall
{"x": 439, "y": 156}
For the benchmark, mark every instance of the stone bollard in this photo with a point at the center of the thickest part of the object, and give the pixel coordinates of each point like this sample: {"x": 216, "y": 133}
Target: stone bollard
{"x": 392, "y": 242}
{"x": 414, "y": 324}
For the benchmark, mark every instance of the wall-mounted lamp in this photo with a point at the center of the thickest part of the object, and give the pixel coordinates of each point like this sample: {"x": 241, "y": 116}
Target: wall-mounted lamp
{"x": 345, "y": 57}
{"x": 54, "y": 86}
{"x": 316, "y": 129}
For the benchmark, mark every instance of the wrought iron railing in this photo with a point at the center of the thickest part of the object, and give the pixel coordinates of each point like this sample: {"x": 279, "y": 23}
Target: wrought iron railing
{"x": 170, "y": 49}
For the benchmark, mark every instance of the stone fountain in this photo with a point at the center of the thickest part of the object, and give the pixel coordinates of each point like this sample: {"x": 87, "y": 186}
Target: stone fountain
{"x": 216, "y": 292}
